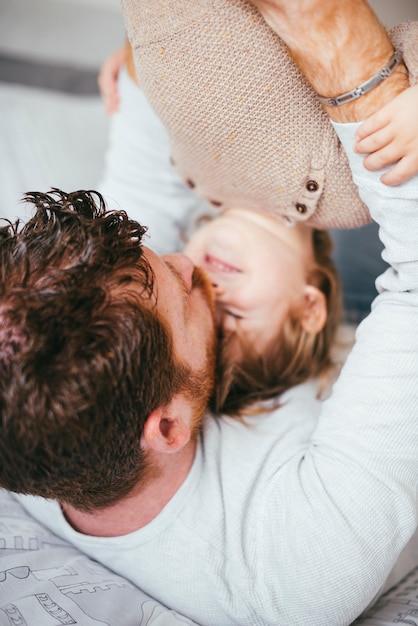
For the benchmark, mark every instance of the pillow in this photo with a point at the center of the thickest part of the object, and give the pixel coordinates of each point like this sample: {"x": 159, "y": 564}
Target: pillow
{"x": 45, "y": 581}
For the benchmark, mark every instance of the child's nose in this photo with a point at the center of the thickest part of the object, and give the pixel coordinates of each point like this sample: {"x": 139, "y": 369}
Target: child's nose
{"x": 218, "y": 289}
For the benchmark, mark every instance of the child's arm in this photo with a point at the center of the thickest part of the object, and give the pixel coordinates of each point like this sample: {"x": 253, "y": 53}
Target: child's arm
{"x": 391, "y": 136}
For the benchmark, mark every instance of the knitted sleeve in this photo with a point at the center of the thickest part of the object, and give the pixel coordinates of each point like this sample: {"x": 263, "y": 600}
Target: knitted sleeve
{"x": 138, "y": 175}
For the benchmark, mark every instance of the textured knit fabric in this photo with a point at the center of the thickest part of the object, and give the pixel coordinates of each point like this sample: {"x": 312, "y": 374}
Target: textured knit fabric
{"x": 296, "y": 520}
{"x": 405, "y": 39}
{"x": 138, "y": 176}
{"x": 245, "y": 128}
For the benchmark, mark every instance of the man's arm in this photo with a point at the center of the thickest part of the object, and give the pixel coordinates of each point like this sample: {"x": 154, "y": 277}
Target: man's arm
{"x": 338, "y": 45}
{"x": 357, "y": 482}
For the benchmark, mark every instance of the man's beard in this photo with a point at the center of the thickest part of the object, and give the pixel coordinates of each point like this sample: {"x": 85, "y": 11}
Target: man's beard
{"x": 200, "y": 280}
{"x": 200, "y": 384}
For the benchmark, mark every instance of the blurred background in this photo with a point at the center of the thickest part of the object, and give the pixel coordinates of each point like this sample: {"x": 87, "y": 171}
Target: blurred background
{"x": 53, "y": 128}
{"x": 52, "y": 124}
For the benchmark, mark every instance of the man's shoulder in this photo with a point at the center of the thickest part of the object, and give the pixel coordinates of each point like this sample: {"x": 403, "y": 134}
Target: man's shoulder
{"x": 298, "y": 407}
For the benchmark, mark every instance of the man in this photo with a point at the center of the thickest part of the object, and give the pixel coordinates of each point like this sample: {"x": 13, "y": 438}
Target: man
{"x": 281, "y": 522}
{"x": 97, "y": 275}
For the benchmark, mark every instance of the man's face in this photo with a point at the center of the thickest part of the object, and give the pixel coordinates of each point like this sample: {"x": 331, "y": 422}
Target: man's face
{"x": 184, "y": 299}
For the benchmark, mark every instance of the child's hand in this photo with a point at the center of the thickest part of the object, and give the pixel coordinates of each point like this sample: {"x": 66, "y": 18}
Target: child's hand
{"x": 108, "y": 80}
{"x": 391, "y": 136}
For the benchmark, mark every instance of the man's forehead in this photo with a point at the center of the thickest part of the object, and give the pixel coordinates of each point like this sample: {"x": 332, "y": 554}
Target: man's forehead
{"x": 153, "y": 259}
{"x": 160, "y": 273}
{"x": 155, "y": 263}
{"x": 162, "y": 269}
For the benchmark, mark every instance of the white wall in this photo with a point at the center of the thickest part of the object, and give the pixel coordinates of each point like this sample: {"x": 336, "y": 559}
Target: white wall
{"x": 392, "y": 12}
{"x": 84, "y": 32}
{"x": 79, "y": 32}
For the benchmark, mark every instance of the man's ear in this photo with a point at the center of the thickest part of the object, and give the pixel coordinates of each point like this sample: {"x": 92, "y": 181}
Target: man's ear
{"x": 167, "y": 429}
{"x": 314, "y": 311}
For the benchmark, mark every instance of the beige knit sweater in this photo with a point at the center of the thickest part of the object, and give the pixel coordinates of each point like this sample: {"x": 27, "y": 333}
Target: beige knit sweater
{"x": 245, "y": 128}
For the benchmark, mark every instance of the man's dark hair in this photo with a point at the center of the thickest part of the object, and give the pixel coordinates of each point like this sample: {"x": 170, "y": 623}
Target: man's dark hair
{"x": 84, "y": 358}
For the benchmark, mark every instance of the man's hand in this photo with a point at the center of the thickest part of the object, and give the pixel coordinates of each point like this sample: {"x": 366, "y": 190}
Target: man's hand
{"x": 338, "y": 44}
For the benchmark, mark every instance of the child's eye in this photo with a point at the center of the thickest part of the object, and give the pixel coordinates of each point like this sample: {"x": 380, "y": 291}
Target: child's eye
{"x": 237, "y": 317}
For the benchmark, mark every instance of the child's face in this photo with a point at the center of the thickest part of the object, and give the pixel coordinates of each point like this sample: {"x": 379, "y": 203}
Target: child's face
{"x": 258, "y": 267}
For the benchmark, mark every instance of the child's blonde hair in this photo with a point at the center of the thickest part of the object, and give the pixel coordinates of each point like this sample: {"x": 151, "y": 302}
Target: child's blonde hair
{"x": 292, "y": 356}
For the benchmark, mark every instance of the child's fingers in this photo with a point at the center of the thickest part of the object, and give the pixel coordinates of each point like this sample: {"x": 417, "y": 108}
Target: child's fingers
{"x": 106, "y": 77}
{"x": 402, "y": 171}
{"x": 108, "y": 80}
{"x": 108, "y": 89}
{"x": 112, "y": 103}
{"x": 382, "y": 158}
{"x": 374, "y": 141}
{"x": 372, "y": 124}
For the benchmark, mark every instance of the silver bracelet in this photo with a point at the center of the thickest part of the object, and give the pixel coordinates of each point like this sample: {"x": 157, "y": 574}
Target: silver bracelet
{"x": 364, "y": 88}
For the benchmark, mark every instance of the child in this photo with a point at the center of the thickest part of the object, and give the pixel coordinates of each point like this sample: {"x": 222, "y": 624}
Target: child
{"x": 283, "y": 333}
{"x": 278, "y": 304}
{"x": 390, "y": 137}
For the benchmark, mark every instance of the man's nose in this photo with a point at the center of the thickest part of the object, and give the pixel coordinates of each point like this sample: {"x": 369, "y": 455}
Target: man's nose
{"x": 183, "y": 265}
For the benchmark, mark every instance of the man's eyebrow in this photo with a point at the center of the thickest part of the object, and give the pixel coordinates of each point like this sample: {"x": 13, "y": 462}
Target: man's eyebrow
{"x": 179, "y": 278}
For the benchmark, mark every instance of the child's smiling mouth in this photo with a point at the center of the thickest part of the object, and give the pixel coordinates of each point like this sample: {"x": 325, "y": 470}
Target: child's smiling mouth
{"x": 214, "y": 264}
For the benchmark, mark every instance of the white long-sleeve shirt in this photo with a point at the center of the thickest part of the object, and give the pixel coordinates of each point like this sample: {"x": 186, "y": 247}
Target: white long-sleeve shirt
{"x": 296, "y": 519}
